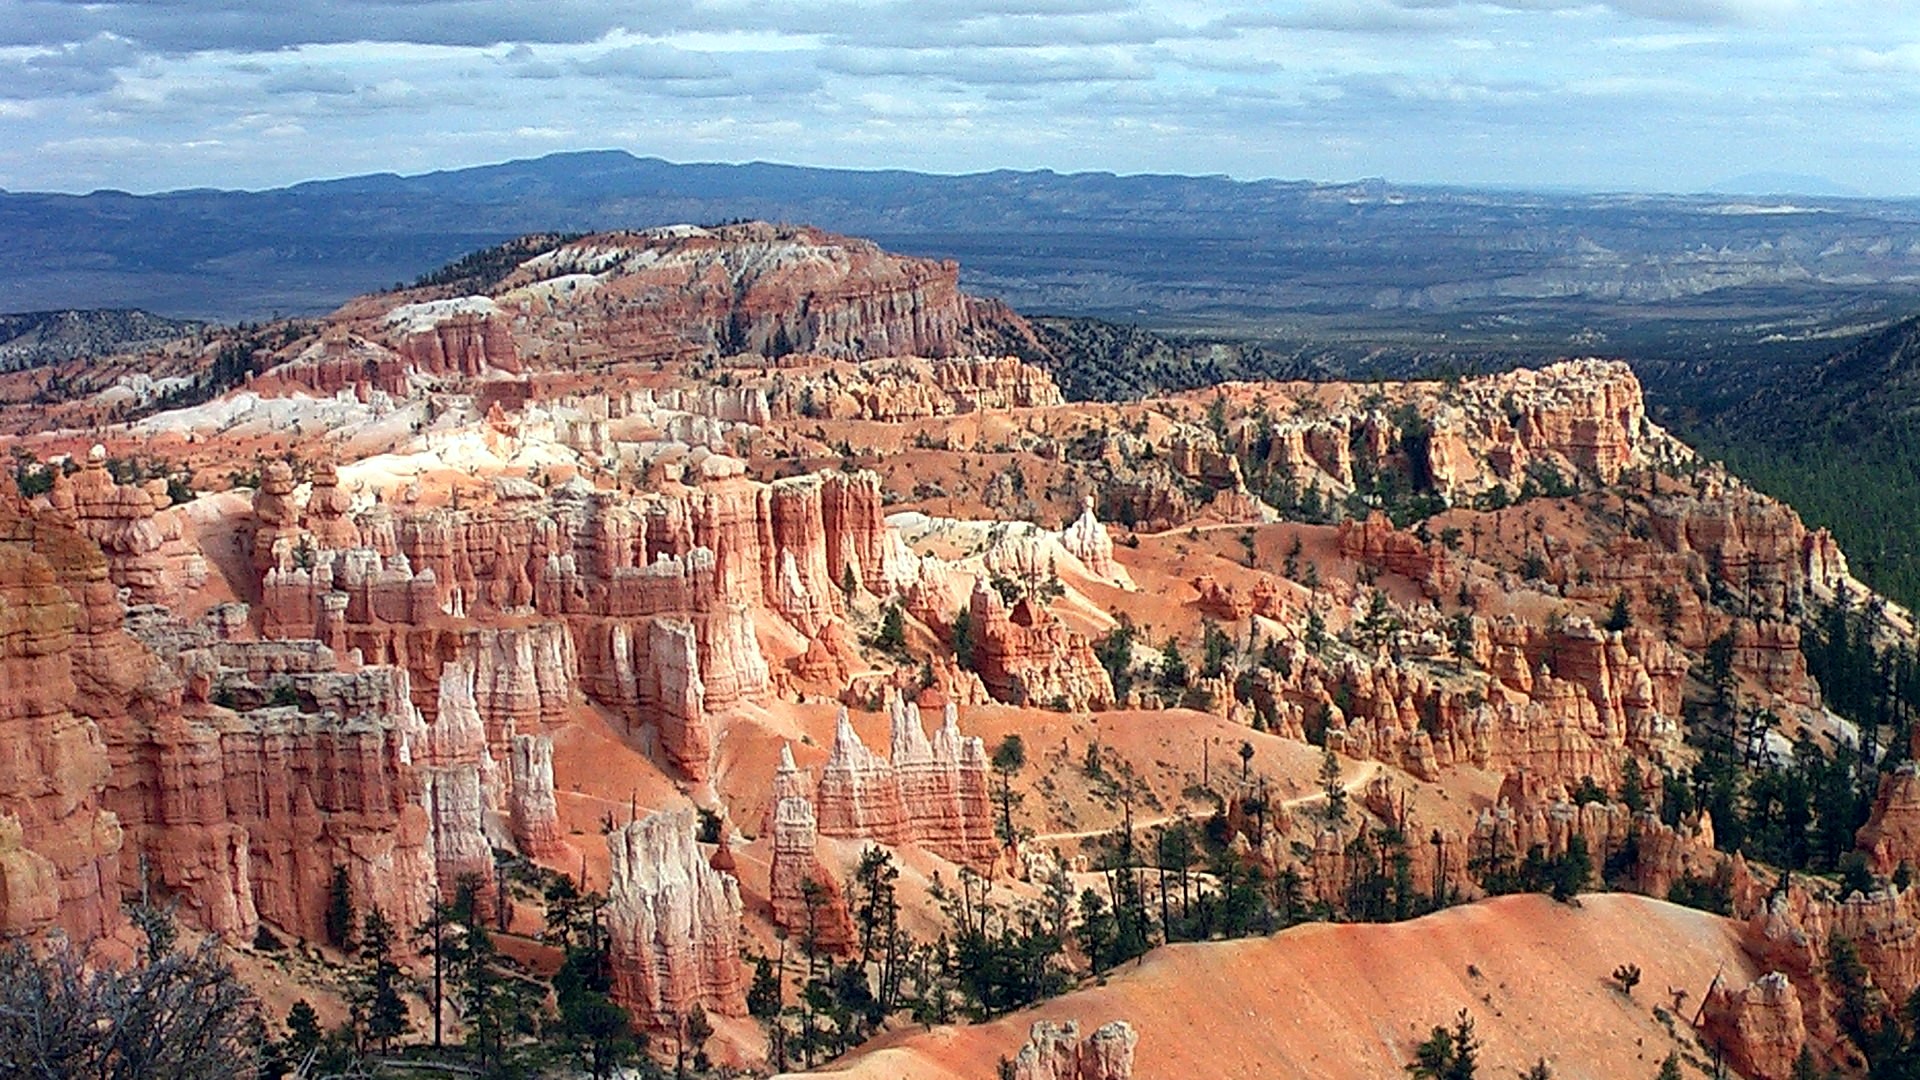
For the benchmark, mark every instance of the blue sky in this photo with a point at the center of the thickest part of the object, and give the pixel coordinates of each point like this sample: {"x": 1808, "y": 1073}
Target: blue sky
{"x": 1669, "y": 95}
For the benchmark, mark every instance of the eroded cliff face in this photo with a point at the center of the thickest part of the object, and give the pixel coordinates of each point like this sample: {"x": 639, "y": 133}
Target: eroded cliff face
{"x": 652, "y": 596}
{"x": 1025, "y": 655}
{"x": 676, "y": 294}
{"x": 60, "y": 847}
{"x": 909, "y": 388}
{"x": 1760, "y": 1027}
{"x": 806, "y": 898}
{"x": 673, "y": 922}
{"x": 278, "y": 768}
{"x": 931, "y": 792}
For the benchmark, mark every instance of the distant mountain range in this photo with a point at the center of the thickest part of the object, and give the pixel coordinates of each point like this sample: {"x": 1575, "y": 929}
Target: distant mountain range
{"x": 1371, "y": 260}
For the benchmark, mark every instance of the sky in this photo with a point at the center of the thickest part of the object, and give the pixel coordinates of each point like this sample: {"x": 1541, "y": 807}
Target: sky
{"x": 1652, "y": 95}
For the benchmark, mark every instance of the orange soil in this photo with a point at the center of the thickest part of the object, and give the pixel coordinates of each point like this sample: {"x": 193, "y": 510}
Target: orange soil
{"x": 1352, "y": 1001}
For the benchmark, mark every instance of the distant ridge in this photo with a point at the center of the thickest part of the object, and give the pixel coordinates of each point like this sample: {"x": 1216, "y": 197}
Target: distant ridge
{"x": 33, "y": 338}
{"x": 1165, "y": 250}
{"x": 1779, "y": 183}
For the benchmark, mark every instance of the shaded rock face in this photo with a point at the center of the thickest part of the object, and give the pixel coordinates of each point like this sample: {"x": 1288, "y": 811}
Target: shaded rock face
{"x": 674, "y": 923}
{"x": 1760, "y": 1027}
{"x": 932, "y": 792}
{"x": 1027, "y": 656}
{"x": 1057, "y": 1052}
{"x": 796, "y": 863}
{"x": 60, "y": 847}
{"x": 1891, "y": 835}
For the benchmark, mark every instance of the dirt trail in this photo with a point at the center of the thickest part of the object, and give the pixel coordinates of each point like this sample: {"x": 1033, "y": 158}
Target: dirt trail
{"x": 1360, "y": 779}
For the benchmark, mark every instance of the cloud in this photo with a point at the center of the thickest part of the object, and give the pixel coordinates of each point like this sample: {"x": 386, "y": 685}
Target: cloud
{"x": 308, "y": 79}
{"x": 1556, "y": 91}
{"x": 654, "y": 62}
{"x": 86, "y": 67}
{"x": 988, "y": 67}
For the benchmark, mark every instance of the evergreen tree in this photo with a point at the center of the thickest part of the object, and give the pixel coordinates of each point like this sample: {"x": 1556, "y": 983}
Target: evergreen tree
{"x": 1620, "y": 615}
{"x": 1448, "y": 1054}
{"x": 1008, "y": 759}
{"x": 1335, "y": 791}
{"x": 1173, "y": 667}
{"x": 375, "y": 996}
{"x": 339, "y": 914}
{"x": 963, "y": 639}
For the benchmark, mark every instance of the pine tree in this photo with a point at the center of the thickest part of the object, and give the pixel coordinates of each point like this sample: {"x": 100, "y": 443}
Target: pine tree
{"x": 1620, "y": 615}
{"x": 303, "y": 1031}
{"x": 1335, "y": 791}
{"x": 1669, "y": 1069}
{"x": 375, "y": 995}
{"x": 1008, "y": 759}
{"x": 339, "y": 916}
{"x": 1448, "y": 1054}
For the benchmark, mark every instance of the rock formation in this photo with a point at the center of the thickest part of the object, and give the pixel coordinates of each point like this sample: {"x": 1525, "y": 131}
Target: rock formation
{"x": 60, "y": 848}
{"x": 1056, "y": 1052}
{"x": 1026, "y": 655}
{"x": 674, "y": 923}
{"x": 1760, "y": 1027}
{"x": 531, "y": 806}
{"x": 932, "y": 793}
{"x": 796, "y": 866}
{"x": 1087, "y": 540}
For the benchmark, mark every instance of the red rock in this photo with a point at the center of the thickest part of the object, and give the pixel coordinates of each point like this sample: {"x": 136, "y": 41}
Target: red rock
{"x": 1891, "y": 835}
{"x": 796, "y": 862}
{"x": 1759, "y": 1028}
{"x": 1028, "y": 656}
{"x": 933, "y": 793}
{"x": 673, "y": 922}
{"x": 1223, "y": 602}
{"x": 59, "y": 847}
{"x": 531, "y": 805}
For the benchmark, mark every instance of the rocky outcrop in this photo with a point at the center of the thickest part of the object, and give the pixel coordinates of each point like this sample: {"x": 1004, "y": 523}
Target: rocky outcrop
{"x": 687, "y": 293}
{"x": 60, "y": 848}
{"x": 143, "y": 544}
{"x": 908, "y": 388}
{"x": 1760, "y": 1028}
{"x": 531, "y": 806}
{"x": 443, "y": 340}
{"x": 933, "y": 792}
{"x": 1377, "y": 543}
{"x": 1027, "y": 656}
{"x": 673, "y": 922}
{"x": 1087, "y": 540}
{"x": 1891, "y": 835}
{"x": 1057, "y": 1052}
{"x": 806, "y": 898}
{"x": 653, "y": 596}
{"x": 1565, "y": 703}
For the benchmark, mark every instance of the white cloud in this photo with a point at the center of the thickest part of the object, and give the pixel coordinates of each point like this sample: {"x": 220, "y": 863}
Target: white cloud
{"x": 1616, "y": 92}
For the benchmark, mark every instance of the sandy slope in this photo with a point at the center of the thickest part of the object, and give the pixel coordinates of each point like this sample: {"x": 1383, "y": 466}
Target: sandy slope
{"x": 1352, "y": 1000}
